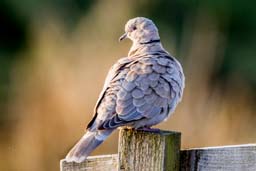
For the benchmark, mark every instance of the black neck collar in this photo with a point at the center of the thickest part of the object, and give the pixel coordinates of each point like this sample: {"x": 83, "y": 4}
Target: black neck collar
{"x": 151, "y": 41}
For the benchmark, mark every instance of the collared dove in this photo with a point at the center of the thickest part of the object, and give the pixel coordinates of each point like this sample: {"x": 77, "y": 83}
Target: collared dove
{"x": 140, "y": 90}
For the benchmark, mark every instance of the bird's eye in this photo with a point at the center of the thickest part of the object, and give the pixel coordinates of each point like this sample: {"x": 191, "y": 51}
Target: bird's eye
{"x": 134, "y": 28}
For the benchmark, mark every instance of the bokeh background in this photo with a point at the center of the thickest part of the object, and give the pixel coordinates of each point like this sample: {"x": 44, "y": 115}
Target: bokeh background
{"x": 55, "y": 54}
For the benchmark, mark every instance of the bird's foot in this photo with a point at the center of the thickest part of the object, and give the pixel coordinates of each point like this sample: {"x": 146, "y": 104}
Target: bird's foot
{"x": 148, "y": 129}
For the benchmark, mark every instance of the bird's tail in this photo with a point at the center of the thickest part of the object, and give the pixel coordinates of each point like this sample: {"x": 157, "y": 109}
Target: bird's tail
{"x": 86, "y": 145}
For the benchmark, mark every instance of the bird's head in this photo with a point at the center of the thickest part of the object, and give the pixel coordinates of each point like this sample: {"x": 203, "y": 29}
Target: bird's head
{"x": 140, "y": 30}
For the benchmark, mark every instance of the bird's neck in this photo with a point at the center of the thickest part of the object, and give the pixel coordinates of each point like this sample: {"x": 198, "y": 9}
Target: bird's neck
{"x": 139, "y": 49}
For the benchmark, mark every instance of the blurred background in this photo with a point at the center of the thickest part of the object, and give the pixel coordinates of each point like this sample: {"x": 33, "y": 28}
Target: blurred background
{"x": 55, "y": 54}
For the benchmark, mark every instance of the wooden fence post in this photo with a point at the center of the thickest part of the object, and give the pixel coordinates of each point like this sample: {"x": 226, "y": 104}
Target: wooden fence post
{"x": 143, "y": 150}
{"x": 138, "y": 150}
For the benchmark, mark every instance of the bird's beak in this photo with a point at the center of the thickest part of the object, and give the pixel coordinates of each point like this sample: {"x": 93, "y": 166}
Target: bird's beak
{"x": 123, "y": 37}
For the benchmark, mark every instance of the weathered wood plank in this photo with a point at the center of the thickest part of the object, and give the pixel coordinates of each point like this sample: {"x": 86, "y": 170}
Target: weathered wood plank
{"x": 143, "y": 150}
{"x": 224, "y": 158}
{"x": 93, "y": 163}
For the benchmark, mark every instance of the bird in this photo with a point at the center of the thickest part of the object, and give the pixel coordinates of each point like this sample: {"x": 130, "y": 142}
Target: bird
{"x": 140, "y": 90}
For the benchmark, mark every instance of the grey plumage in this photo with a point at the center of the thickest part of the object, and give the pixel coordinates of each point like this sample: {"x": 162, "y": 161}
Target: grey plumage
{"x": 140, "y": 90}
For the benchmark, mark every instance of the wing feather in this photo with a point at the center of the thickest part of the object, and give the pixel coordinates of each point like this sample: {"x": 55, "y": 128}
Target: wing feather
{"x": 145, "y": 88}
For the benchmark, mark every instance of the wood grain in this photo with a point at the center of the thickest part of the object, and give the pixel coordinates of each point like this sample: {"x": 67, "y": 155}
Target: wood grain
{"x": 226, "y": 158}
{"x": 152, "y": 151}
{"x": 93, "y": 163}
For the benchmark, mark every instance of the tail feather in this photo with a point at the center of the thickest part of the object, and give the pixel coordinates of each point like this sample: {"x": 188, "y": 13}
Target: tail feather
{"x": 86, "y": 145}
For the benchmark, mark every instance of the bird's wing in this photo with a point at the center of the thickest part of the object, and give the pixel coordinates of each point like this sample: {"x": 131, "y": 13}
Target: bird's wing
{"x": 148, "y": 86}
{"x": 112, "y": 74}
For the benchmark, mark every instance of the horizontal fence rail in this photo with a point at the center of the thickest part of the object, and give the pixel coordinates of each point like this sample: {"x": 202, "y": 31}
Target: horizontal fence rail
{"x": 93, "y": 163}
{"x": 225, "y": 158}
